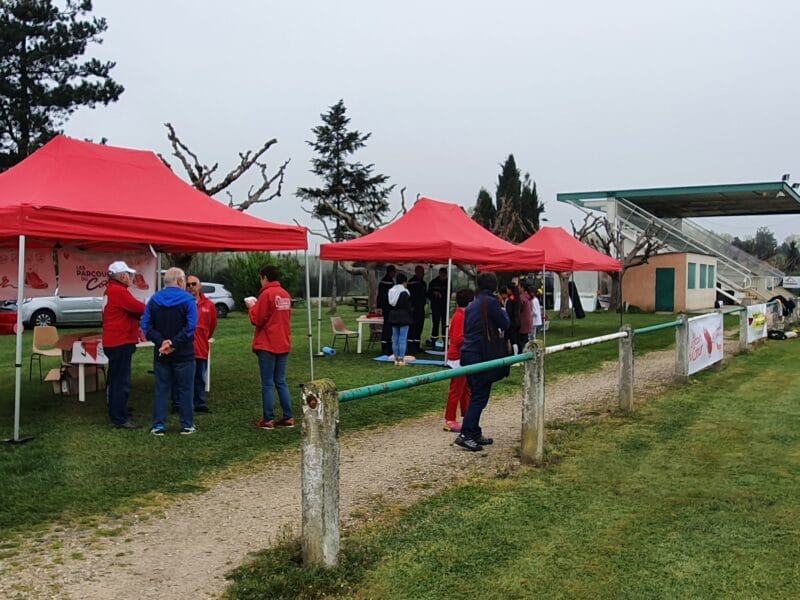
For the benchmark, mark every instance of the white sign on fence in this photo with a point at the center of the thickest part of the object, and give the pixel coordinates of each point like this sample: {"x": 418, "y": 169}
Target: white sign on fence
{"x": 756, "y": 322}
{"x": 86, "y": 273}
{"x": 791, "y": 281}
{"x": 705, "y": 342}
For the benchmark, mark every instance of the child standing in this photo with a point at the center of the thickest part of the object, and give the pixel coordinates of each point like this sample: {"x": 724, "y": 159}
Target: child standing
{"x": 458, "y": 395}
{"x": 400, "y": 317}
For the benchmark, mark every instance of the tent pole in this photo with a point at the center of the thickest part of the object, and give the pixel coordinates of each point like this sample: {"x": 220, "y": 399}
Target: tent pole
{"x": 18, "y": 353}
{"x": 308, "y": 313}
{"x": 319, "y": 305}
{"x": 543, "y": 305}
{"x": 572, "y": 280}
{"x": 447, "y": 307}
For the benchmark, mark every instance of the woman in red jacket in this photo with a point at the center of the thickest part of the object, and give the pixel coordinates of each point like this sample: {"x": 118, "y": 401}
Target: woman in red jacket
{"x": 458, "y": 395}
{"x": 272, "y": 342}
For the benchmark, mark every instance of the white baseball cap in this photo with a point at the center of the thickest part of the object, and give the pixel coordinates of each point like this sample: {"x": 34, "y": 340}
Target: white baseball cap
{"x": 120, "y": 266}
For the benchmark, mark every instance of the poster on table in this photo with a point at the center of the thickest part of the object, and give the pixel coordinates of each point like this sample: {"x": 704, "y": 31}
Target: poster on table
{"x": 40, "y": 273}
{"x": 756, "y": 322}
{"x": 705, "y": 341}
{"x": 86, "y": 273}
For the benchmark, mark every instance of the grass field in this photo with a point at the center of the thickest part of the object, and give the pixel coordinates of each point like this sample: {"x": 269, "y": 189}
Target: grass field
{"x": 696, "y": 496}
{"x": 77, "y": 467}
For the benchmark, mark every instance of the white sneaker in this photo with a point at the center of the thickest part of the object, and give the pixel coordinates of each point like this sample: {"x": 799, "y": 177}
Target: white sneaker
{"x": 188, "y": 430}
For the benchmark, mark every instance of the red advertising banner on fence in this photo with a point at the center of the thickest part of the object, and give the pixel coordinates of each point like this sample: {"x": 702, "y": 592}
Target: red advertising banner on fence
{"x": 86, "y": 273}
{"x": 40, "y": 273}
{"x": 705, "y": 341}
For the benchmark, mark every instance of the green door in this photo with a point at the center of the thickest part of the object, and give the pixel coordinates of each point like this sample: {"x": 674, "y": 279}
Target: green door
{"x": 665, "y": 290}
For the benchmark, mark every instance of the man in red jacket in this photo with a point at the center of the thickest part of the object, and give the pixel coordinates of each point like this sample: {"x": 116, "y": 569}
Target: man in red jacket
{"x": 271, "y": 314}
{"x": 206, "y": 324}
{"x": 121, "y": 314}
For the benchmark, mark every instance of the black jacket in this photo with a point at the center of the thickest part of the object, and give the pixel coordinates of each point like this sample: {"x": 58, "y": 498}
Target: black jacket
{"x": 400, "y": 314}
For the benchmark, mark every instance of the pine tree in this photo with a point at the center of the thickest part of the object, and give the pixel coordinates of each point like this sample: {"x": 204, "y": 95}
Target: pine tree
{"x": 518, "y": 207}
{"x": 352, "y": 200}
{"x": 484, "y": 212}
{"x": 42, "y": 77}
{"x": 509, "y": 187}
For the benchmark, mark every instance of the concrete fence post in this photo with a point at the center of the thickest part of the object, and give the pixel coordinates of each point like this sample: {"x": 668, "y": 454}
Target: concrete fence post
{"x": 682, "y": 350}
{"x": 743, "y": 331}
{"x": 533, "y": 408}
{"x": 320, "y": 474}
{"x": 626, "y": 370}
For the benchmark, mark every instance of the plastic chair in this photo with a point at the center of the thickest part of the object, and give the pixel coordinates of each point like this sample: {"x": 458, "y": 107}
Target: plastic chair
{"x": 44, "y": 341}
{"x": 340, "y": 330}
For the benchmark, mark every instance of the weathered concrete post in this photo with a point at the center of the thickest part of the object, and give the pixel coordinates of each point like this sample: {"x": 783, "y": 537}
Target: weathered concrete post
{"x": 626, "y": 370}
{"x": 320, "y": 476}
{"x": 533, "y": 408}
{"x": 743, "y": 348}
{"x": 682, "y": 350}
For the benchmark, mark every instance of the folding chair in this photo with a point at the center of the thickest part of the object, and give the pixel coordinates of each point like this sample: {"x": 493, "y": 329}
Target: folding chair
{"x": 340, "y": 330}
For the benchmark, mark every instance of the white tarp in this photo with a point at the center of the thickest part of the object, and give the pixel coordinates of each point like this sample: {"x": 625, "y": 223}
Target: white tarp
{"x": 705, "y": 341}
{"x": 756, "y": 322}
{"x": 40, "y": 273}
{"x": 86, "y": 273}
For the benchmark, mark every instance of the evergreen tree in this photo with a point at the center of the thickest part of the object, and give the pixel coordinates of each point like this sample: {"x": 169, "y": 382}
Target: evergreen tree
{"x": 518, "y": 207}
{"x": 509, "y": 187}
{"x": 352, "y": 200}
{"x": 42, "y": 77}
{"x": 484, "y": 212}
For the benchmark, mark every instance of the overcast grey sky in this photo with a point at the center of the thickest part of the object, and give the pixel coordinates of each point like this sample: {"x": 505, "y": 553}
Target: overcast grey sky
{"x": 587, "y": 95}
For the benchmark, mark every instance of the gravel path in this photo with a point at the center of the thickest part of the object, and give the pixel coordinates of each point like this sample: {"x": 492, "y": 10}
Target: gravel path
{"x": 186, "y": 551}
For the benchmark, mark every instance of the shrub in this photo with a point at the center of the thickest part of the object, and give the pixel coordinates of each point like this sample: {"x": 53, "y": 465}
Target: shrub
{"x": 243, "y": 273}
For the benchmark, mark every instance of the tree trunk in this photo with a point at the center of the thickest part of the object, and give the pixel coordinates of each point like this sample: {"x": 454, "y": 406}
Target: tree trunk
{"x": 615, "y": 302}
{"x": 564, "y": 310}
{"x": 371, "y": 277}
{"x": 334, "y": 291}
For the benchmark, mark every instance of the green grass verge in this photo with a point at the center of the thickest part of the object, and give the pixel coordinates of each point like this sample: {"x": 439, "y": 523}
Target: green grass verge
{"x": 693, "y": 497}
{"x": 77, "y": 467}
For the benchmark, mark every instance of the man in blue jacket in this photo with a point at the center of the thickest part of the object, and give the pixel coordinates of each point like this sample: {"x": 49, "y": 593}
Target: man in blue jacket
{"x": 169, "y": 321}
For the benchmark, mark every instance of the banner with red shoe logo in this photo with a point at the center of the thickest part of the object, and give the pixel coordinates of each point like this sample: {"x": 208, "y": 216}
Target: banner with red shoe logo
{"x": 86, "y": 273}
{"x": 40, "y": 273}
{"x": 705, "y": 341}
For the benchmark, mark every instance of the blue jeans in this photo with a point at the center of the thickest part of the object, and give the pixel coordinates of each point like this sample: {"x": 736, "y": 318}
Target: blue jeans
{"x": 480, "y": 389}
{"x": 273, "y": 375}
{"x": 119, "y": 381}
{"x": 200, "y": 370}
{"x": 399, "y": 339}
{"x": 173, "y": 380}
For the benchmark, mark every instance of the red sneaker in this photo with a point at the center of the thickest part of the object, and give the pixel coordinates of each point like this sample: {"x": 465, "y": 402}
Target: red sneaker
{"x": 139, "y": 282}
{"x": 263, "y": 424}
{"x": 285, "y": 423}
{"x": 452, "y": 426}
{"x": 34, "y": 281}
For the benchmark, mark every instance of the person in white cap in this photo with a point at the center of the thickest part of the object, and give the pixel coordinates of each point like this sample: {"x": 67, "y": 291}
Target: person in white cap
{"x": 121, "y": 314}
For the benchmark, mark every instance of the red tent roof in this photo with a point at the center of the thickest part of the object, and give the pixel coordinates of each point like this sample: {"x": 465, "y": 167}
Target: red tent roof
{"x": 79, "y": 191}
{"x": 434, "y": 231}
{"x": 565, "y": 253}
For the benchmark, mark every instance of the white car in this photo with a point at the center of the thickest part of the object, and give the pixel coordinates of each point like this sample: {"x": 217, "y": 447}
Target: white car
{"x": 221, "y": 297}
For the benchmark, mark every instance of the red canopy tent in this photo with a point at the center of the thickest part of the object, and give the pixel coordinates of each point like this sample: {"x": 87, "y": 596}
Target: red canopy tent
{"x": 79, "y": 191}
{"x": 565, "y": 253}
{"x": 111, "y": 197}
{"x": 434, "y": 231}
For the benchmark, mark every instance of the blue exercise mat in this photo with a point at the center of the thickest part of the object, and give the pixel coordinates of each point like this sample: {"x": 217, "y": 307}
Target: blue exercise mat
{"x": 419, "y": 361}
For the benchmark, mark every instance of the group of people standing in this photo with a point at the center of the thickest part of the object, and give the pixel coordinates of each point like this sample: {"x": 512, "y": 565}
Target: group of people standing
{"x": 402, "y": 303}
{"x": 180, "y": 321}
{"x": 513, "y": 314}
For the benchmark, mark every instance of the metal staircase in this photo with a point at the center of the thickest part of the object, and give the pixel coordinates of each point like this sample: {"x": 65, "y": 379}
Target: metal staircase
{"x": 741, "y": 276}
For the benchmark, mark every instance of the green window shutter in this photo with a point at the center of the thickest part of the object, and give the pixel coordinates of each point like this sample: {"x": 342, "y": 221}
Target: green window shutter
{"x": 691, "y": 276}
{"x": 711, "y": 282}
{"x": 703, "y": 269}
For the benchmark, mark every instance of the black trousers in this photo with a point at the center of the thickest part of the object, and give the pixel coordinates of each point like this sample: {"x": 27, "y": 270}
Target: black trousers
{"x": 415, "y": 331}
{"x": 439, "y": 318}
